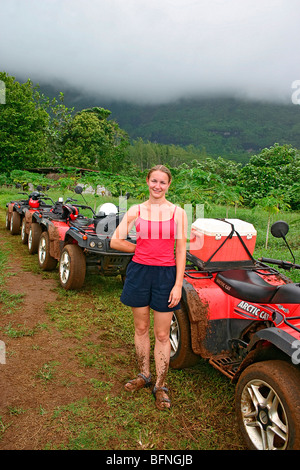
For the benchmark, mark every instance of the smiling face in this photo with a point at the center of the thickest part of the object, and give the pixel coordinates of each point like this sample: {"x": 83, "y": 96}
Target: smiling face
{"x": 158, "y": 183}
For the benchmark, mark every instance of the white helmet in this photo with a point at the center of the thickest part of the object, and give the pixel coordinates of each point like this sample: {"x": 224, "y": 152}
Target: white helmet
{"x": 109, "y": 208}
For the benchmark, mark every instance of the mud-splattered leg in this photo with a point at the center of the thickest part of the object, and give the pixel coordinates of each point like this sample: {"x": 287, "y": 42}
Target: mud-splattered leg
{"x": 162, "y": 349}
{"x": 141, "y": 338}
{"x": 142, "y": 346}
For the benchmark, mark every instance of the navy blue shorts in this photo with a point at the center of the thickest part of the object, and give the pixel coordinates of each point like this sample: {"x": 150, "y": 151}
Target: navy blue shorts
{"x": 149, "y": 285}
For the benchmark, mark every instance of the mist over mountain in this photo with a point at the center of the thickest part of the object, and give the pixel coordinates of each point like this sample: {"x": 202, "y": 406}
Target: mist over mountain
{"x": 215, "y": 74}
{"x": 155, "y": 52}
{"x": 220, "y": 126}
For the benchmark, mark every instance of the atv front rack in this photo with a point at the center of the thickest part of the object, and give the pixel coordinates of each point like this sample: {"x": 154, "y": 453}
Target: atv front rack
{"x": 219, "y": 265}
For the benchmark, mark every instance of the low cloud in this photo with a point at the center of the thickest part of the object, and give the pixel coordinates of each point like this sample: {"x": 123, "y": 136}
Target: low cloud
{"x": 156, "y": 51}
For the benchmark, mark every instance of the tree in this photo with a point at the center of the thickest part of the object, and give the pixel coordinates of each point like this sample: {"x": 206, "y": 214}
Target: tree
{"x": 228, "y": 196}
{"x": 93, "y": 141}
{"x": 272, "y": 203}
{"x": 275, "y": 169}
{"x": 59, "y": 118}
{"x": 23, "y": 124}
{"x": 226, "y": 169}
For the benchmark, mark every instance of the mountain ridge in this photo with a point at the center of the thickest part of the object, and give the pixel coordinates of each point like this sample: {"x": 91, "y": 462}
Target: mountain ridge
{"x": 220, "y": 126}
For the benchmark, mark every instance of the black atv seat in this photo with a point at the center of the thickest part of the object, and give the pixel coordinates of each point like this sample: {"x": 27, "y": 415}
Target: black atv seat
{"x": 245, "y": 285}
{"x": 82, "y": 222}
{"x": 54, "y": 216}
{"x": 287, "y": 294}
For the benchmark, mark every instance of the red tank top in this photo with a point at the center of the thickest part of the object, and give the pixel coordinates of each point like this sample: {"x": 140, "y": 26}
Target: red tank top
{"x": 155, "y": 241}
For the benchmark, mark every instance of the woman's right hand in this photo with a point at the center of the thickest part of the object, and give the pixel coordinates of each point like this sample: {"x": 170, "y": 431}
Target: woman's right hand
{"x": 118, "y": 240}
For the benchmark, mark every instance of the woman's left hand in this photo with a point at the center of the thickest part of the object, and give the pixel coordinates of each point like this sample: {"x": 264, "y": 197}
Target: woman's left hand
{"x": 175, "y": 296}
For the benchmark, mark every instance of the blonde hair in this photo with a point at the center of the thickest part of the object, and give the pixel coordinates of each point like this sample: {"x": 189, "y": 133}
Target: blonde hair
{"x": 162, "y": 168}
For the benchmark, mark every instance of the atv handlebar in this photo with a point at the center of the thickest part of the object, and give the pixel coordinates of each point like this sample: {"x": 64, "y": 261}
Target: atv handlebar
{"x": 69, "y": 199}
{"x": 82, "y": 206}
{"x": 282, "y": 264}
{"x": 41, "y": 196}
{"x": 46, "y": 198}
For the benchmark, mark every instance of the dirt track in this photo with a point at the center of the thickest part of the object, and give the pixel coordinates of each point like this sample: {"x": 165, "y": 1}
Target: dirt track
{"x": 26, "y": 400}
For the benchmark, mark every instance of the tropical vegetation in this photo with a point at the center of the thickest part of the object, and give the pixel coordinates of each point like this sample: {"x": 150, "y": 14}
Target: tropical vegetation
{"x": 39, "y": 136}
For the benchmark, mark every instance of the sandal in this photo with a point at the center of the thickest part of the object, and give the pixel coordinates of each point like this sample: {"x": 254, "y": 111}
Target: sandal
{"x": 136, "y": 384}
{"x": 160, "y": 400}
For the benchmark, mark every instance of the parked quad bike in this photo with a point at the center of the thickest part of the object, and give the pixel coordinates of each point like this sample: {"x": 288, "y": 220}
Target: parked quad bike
{"x": 245, "y": 321}
{"x": 19, "y": 213}
{"x": 62, "y": 234}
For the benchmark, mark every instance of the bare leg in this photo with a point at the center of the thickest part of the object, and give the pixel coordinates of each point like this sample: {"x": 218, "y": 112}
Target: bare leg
{"x": 141, "y": 338}
{"x": 162, "y": 349}
{"x": 141, "y": 317}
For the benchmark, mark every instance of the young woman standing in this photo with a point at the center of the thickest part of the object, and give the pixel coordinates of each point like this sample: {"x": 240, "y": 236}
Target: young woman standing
{"x": 154, "y": 276}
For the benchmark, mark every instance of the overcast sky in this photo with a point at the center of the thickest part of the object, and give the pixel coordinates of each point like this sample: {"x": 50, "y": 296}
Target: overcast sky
{"x": 155, "y": 50}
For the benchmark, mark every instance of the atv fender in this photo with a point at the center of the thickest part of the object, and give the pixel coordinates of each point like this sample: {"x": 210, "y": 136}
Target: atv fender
{"x": 198, "y": 316}
{"x": 10, "y": 208}
{"x": 54, "y": 241}
{"x": 28, "y": 217}
{"x": 28, "y": 221}
{"x": 261, "y": 348}
{"x": 279, "y": 338}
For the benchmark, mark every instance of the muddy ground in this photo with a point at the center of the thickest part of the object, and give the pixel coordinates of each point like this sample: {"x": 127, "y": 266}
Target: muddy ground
{"x": 28, "y": 395}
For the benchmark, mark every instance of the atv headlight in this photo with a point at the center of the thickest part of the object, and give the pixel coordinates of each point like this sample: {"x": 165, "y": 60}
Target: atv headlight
{"x": 100, "y": 245}
{"x": 92, "y": 244}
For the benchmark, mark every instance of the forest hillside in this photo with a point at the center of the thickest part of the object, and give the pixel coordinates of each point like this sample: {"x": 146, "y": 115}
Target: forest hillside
{"x": 216, "y": 126}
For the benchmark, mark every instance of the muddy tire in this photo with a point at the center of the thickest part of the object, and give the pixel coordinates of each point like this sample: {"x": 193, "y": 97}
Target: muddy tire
{"x": 15, "y": 223}
{"x": 72, "y": 267}
{"x": 182, "y": 355}
{"x": 267, "y": 401}
{"x": 46, "y": 261}
{"x": 34, "y": 235}
{"x": 24, "y": 235}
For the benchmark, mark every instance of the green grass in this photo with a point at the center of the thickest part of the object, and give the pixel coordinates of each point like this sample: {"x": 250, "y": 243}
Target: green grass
{"x": 100, "y": 331}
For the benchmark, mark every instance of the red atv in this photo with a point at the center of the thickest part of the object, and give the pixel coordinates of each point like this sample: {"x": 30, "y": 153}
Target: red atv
{"x": 19, "y": 213}
{"x": 243, "y": 316}
{"x": 77, "y": 242}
